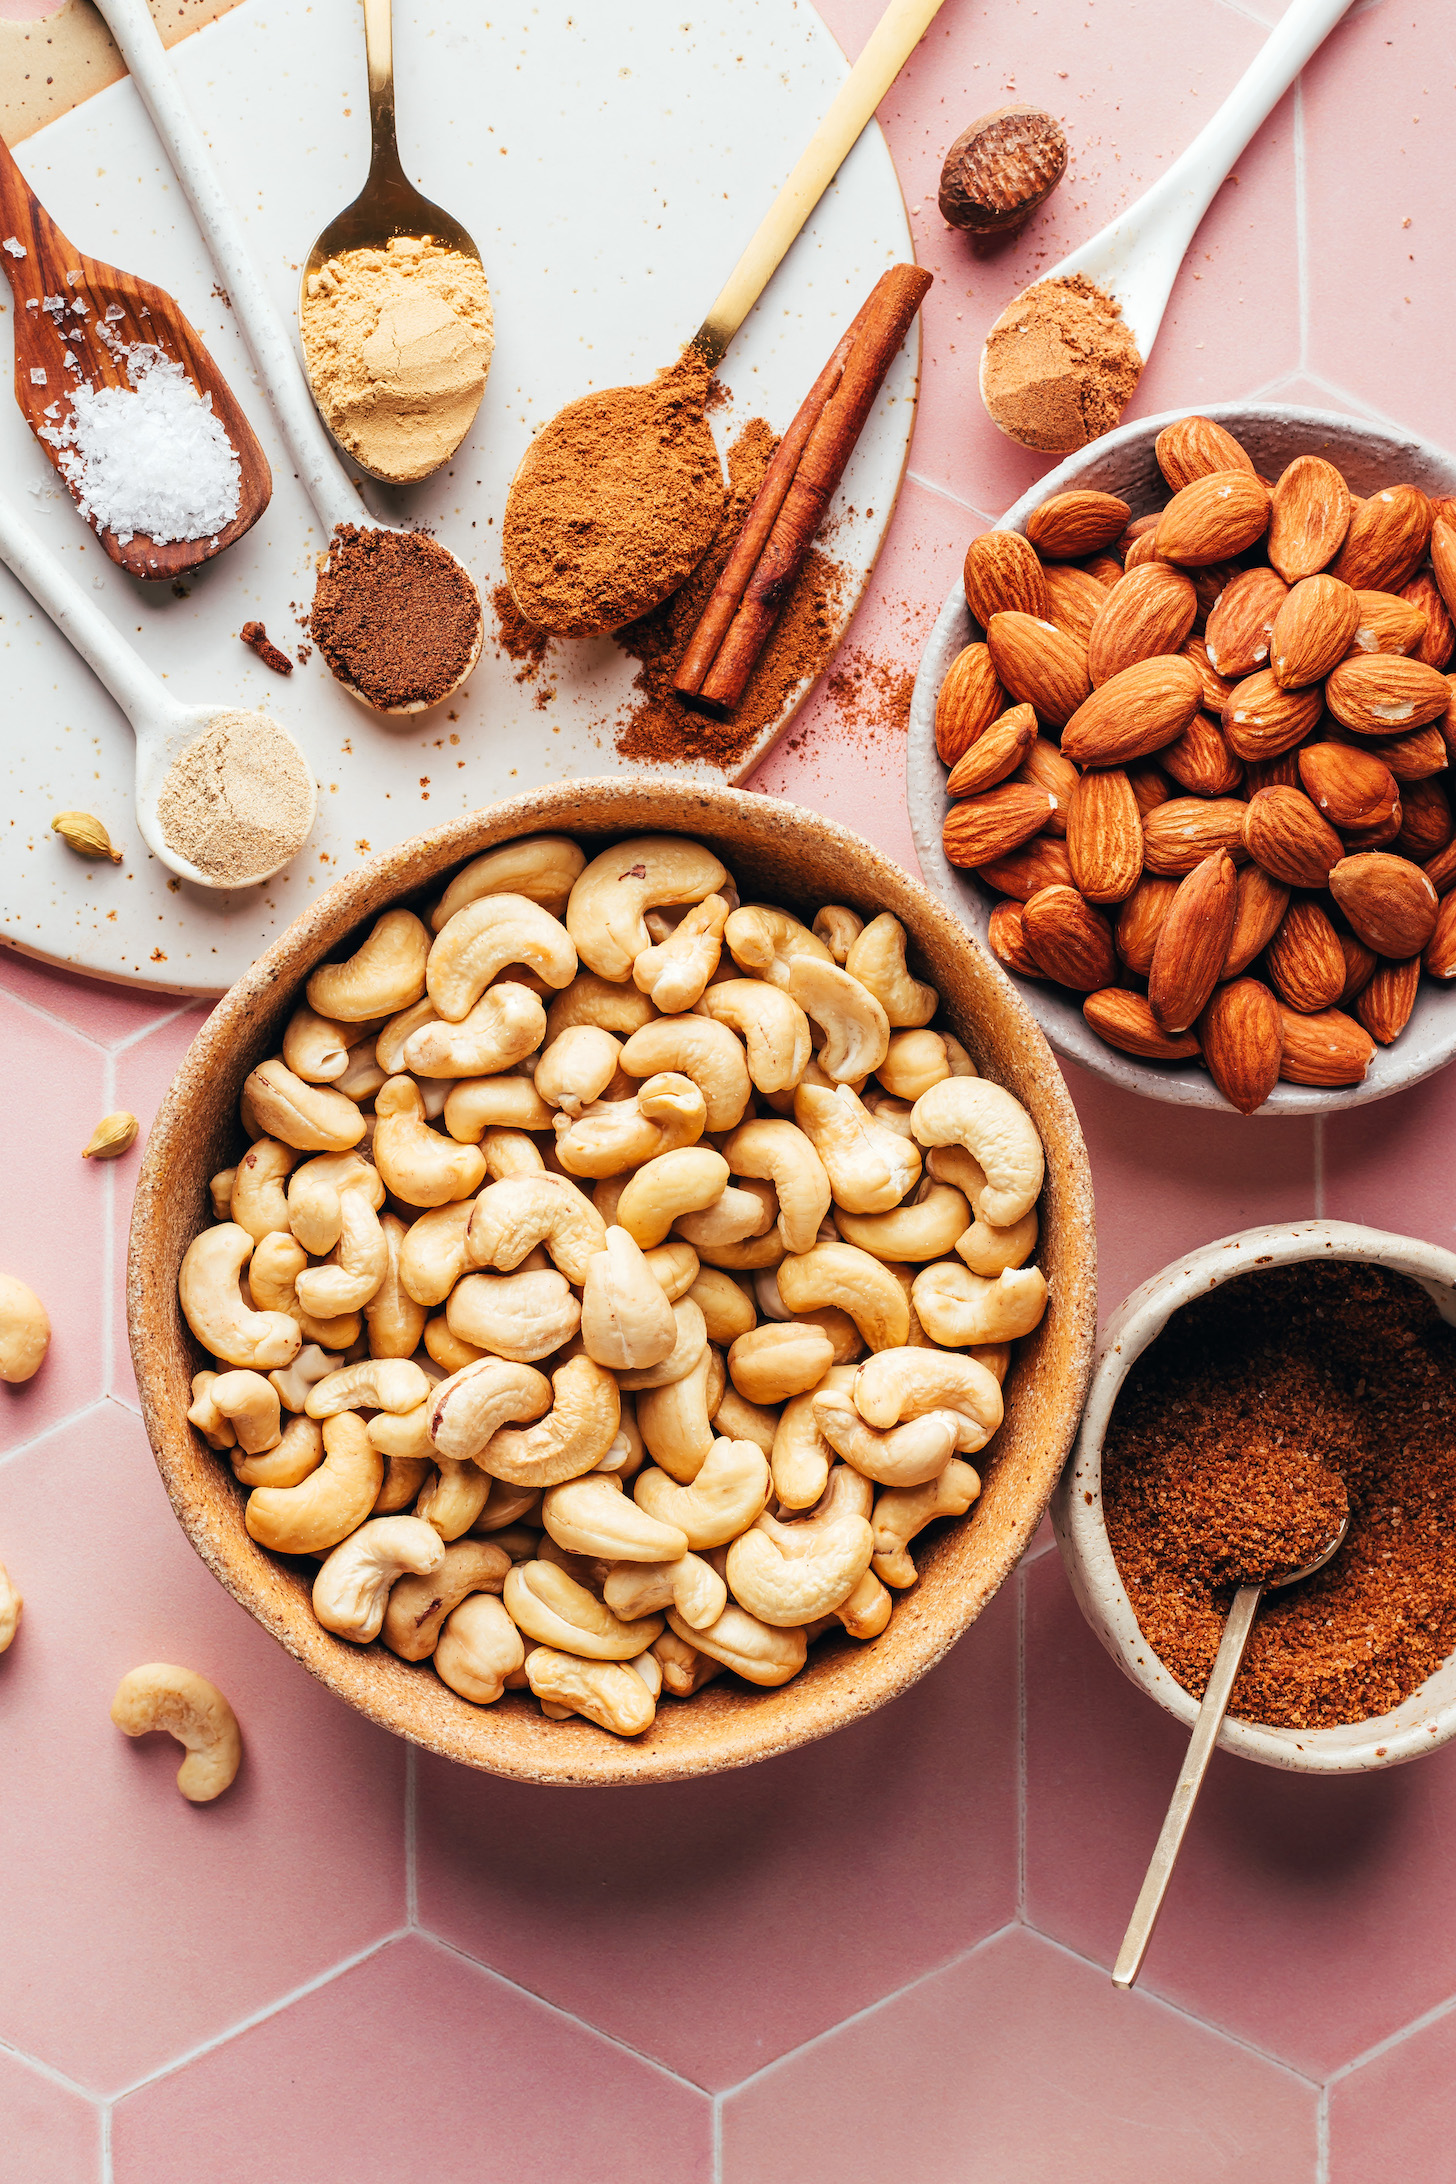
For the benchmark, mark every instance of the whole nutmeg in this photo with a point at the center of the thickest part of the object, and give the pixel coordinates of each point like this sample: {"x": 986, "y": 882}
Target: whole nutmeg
{"x": 1000, "y": 169}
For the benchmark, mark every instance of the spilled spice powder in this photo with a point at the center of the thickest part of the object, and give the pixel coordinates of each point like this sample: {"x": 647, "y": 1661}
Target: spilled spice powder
{"x": 1060, "y": 366}
{"x": 522, "y": 643}
{"x": 872, "y": 696}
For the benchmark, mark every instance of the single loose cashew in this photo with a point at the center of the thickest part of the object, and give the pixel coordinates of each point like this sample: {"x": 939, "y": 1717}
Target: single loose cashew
{"x": 990, "y": 1251}
{"x": 542, "y": 867}
{"x": 259, "y": 1202}
{"x": 433, "y": 1255}
{"x": 404, "y": 1437}
{"x": 698, "y": 1048}
{"x": 553, "y": 1609}
{"x": 839, "y": 928}
{"x": 610, "y": 1136}
{"x": 605, "y": 1692}
{"x": 761, "y": 1653}
{"x": 690, "y": 1341}
{"x": 893, "y": 1113}
{"x": 734, "y": 1215}
{"x": 352, "y": 1587}
{"x": 506, "y": 1024}
{"x": 418, "y": 1164}
{"x": 675, "y": 971}
{"x": 512, "y": 1217}
{"x": 927, "y": 1229}
{"x": 478, "y": 1648}
{"x": 727, "y": 1495}
{"x": 764, "y": 942}
{"x": 736, "y": 1419}
{"x": 385, "y": 974}
{"x": 395, "y": 1035}
{"x": 309, "y": 1117}
{"x": 996, "y": 1131}
{"x": 687, "y": 1583}
{"x": 316, "y": 1047}
{"x": 855, "y": 1027}
{"x": 363, "y": 1075}
{"x": 782, "y": 1154}
{"x": 618, "y": 1009}
{"x": 509, "y": 1152}
{"x": 877, "y": 960}
{"x": 329, "y": 1503}
{"x": 355, "y": 1269}
{"x": 907, "y": 1455}
{"x": 220, "y": 1191}
{"x": 418, "y": 1605}
{"x": 914, "y": 1061}
{"x": 447, "y": 1350}
{"x": 517, "y": 1316}
{"x": 592, "y": 1516}
{"x": 251, "y": 1407}
{"x": 651, "y": 871}
{"x": 299, "y": 1452}
{"x": 162, "y": 1696}
{"x": 728, "y": 1310}
{"x": 900, "y": 1384}
{"x": 11, "y": 1605}
{"x": 684, "y": 1669}
{"x": 801, "y": 1458}
{"x": 570, "y": 1440}
{"x": 473, "y": 1404}
{"x": 790, "y": 1574}
{"x": 316, "y": 1192}
{"x": 626, "y": 1320}
{"x": 396, "y": 1319}
{"x": 959, "y": 1308}
{"x": 476, "y": 944}
{"x": 675, "y": 1420}
{"x": 870, "y": 1166}
{"x": 475, "y": 1106}
{"x": 772, "y": 1363}
{"x": 902, "y": 1512}
{"x": 377, "y": 1383}
{"x": 667, "y": 1186}
{"x": 774, "y": 1029}
{"x": 627, "y": 1454}
{"x": 212, "y": 1303}
{"x": 576, "y": 1068}
{"x": 674, "y": 1266}
{"x": 860, "y": 1285}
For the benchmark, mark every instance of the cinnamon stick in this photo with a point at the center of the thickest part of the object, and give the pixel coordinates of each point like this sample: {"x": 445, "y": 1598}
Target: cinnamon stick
{"x": 792, "y": 501}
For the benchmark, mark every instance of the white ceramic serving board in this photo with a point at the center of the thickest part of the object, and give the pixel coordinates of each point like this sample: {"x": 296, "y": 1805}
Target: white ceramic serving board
{"x": 610, "y": 161}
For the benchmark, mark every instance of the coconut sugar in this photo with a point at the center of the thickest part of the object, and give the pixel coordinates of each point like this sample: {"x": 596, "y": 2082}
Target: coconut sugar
{"x": 238, "y": 801}
{"x": 1059, "y": 366}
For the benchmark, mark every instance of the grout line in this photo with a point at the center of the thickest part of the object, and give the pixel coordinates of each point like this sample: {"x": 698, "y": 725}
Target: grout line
{"x": 56, "y": 1023}
{"x": 57, "y": 1425}
{"x": 931, "y": 486}
{"x": 1392, "y": 2040}
{"x": 158, "y": 1023}
{"x": 1021, "y": 1800}
{"x": 411, "y": 1812}
{"x": 1301, "y": 225}
{"x": 717, "y": 2138}
{"x": 106, "y": 2168}
{"x": 49, "y": 2070}
{"x": 1322, "y": 2137}
{"x": 108, "y": 1236}
{"x": 1401, "y": 427}
{"x": 1318, "y": 1163}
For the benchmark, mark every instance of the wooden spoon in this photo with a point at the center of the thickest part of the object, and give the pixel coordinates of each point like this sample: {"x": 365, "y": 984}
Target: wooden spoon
{"x": 133, "y": 311}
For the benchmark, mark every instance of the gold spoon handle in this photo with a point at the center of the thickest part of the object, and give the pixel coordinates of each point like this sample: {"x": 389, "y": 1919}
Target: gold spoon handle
{"x": 384, "y": 164}
{"x": 1190, "y": 1782}
{"x": 890, "y": 45}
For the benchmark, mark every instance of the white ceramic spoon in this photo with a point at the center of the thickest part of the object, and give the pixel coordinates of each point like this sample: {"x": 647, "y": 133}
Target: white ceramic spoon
{"x": 1136, "y": 258}
{"x": 162, "y": 725}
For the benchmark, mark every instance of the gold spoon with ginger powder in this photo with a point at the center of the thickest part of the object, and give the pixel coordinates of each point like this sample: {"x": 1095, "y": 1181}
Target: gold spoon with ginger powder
{"x": 616, "y": 500}
{"x": 399, "y": 399}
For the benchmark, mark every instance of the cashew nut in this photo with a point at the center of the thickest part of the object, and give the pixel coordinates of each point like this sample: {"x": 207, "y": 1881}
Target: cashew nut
{"x": 309, "y": 1117}
{"x": 675, "y": 1420}
{"x": 396, "y": 1319}
{"x": 329, "y": 1503}
{"x": 599, "y": 1001}
{"x": 512, "y": 1217}
{"x": 259, "y": 1202}
{"x": 315, "y": 1197}
{"x": 299, "y": 1452}
{"x": 675, "y": 1267}
{"x": 250, "y": 1406}
{"x": 626, "y": 1320}
{"x": 517, "y": 1316}
{"x": 194, "y": 1711}
{"x": 701, "y": 1049}
{"x": 771, "y": 1363}
{"x": 433, "y": 1256}
{"x": 212, "y": 1303}
{"x": 684, "y": 1669}
{"x": 782, "y": 1154}
{"x": 801, "y": 1458}
{"x": 315, "y": 1047}
{"x": 687, "y": 1583}
{"x": 667, "y": 1186}
{"x": 473, "y": 1404}
{"x": 475, "y": 945}
{"x": 925, "y": 1230}
{"x": 592, "y": 1516}
{"x": 478, "y": 1648}
{"x": 855, "y": 1027}
{"x": 839, "y": 928}
{"x": 355, "y": 1268}
{"x": 543, "y": 867}
{"x": 736, "y": 1419}
{"x": 790, "y": 1574}
{"x": 475, "y": 1106}
{"x": 395, "y": 1384}
{"x": 509, "y": 1152}
{"x": 893, "y": 1113}
{"x": 774, "y": 1029}
{"x": 903, "y": 1511}
{"x": 451, "y": 1495}
{"x": 996, "y": 1131}
{"x": 877, "y": 960}
{"x": 352, "y": 1587}
{"x": 727, "y": 1309}
{"x": 990, "y": 1251}
{"x": 606, "y": 1692}
{"x": 959, "y": 1308}
{"x": 908, "y": 1455}
{"x": 870, "y": 1167}
{"x": 690, "y": 1340}
{"x": 727, "y": 1495}
{"x": 506, "y": 1024}
{"x": 418, "y": 1164}
{"x": 605, "y": 913}
{"x": 900, "y": 1384}
{"x": 860, "y": 1285}
{"x": 553, "y": 1609}
{"x": 609, "y": 1136}
{"x": 418, "y": 1605}
{"x": 386, "y": 973}
{"x": 571, "y": 1439}
{"x": 733, "y": 1216}
{"x": 11, "y": 1604}
{"x": 675, "y": 971}
{"x": 761, "y": 1653}
{"x": 765, "y": 942}
{"x": 576, "y": 1068}
{"x": 914, "y": 1061}
{"x": 220, "y": 1191}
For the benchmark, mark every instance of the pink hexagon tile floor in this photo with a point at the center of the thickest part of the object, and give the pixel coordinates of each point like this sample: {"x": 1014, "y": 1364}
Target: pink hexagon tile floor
{"x": 888, "y": 1952}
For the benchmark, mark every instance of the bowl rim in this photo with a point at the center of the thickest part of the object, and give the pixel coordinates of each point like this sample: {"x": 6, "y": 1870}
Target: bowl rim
{"x": 576, "y": 1754}
{"x": 1384, "y": 1740}
{"x": 1394, "y": 1068}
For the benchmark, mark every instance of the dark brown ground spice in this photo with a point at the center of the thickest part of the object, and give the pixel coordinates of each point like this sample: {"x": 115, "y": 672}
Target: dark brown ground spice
{"x": 522, "y": 643}
{"x": 1281, "y": 1376}
{"x": 872, "y": 696}
{"x": 395, "y": 615}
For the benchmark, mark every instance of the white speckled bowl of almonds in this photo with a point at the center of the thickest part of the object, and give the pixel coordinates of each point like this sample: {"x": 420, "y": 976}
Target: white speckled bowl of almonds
{"x": 1190, "y": 783}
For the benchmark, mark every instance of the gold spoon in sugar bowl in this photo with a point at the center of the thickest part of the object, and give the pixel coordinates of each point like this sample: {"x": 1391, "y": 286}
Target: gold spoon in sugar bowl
{"x": 1215, "y": 1705}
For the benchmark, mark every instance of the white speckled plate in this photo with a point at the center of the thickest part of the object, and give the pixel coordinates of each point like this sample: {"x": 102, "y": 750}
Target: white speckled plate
{"x": 610, "y": 161}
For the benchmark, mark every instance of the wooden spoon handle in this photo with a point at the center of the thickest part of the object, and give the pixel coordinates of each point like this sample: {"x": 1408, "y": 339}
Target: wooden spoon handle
{"x": 24, "y": 218}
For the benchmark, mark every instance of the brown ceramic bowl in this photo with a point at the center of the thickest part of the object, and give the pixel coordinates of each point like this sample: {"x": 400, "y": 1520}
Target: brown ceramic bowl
{"x": 778, "y": 852}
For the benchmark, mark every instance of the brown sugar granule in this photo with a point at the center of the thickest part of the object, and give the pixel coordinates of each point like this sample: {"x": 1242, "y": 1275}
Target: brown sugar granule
{"x": 660, "y": 728}
{"x": 1060, "y": 366}
{"x": 395, "y": 615}
{"x": 1283, "y": 1376}
{"x": 615, "y": 502}
{"x": 256, "y": 637}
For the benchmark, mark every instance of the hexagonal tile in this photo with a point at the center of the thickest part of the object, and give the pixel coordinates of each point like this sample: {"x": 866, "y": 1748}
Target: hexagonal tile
{"x": 716, "y": 1923}
{"x": 415, "y": 2064}
{"x": 105, "y": 1013}
{"x": 137, "y": 1924}
{"x": 1392, "y": 2116}
{"x": 50, "y": 2134}
{"x": 143, "y": 1071}
{"x": 1021, "y": 2065}
{"x": 1284, "y": 1883}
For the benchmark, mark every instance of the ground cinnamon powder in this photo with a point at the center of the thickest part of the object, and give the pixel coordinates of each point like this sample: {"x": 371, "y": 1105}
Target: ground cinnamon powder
{"x": 1060, "y": 366}
{"x": 1229, "y": 1429}
{"x": 395, "y": 614}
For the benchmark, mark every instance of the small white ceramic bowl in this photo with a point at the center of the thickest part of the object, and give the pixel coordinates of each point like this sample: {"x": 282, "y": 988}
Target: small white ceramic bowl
{"x": 1420, "y": 1723}
{"x": 1123, "y": 462}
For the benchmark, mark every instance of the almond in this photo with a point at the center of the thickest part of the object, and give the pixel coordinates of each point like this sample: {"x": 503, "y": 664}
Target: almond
{"x": 1140, "y": 921}
{"x": 1440, "y": 956}
{"x": 1441, "y": 870}
{"x": 1042, "y": 863}
{"x": 1425, "y": 826}
{"x": 1242, "y": 1037}
{"x": 1443, "y": 559}
{"x": 1263, "y": 721}
{"x": 1285, "y": 834}
{"x": 1386, "y": 541}
{"x": 1383, "y": 693}
{"x": 1438, "y": 641}
{"x": 1039, "y": 665}
{"x": 1271, "y": 773}
{"x": 1241, "y": 623}
{"x": 1258, "y": 912}
{"x": 1074, "y": 600}
{"x": 1313, "y": 630}
{"x": 1328, "y": 1049}
{"x": 1389, "y": 901}
{"x": 1140, "y": 527}
{"x": 1070, "y": 525}
{"x": 1212, "y": 518}
{"x": 1002, "y": 575}
{"x": 1305, "y": 959}
{"x": 1150, "y": 787}
{"x": 1201, "y": 761}
{"x": 1358, "y": 840}
{"x": 1106, "y": 568}
{"x": 1105, "y": 836}
{"x": 1192, "y": 943}
{"x": 1309, "y": 514}
{"x": 994, "y": 755}
{"x": 1070, "y": 940}
{"x": 1386, "y": 623}
{"x": 1185, "y": 830}
{"x": 1007, "y": 941}
{"x": 1352, "y": 788}
{"x": 1384, "y": 1008}
{"x": 1215, "y": 690}
{"x": 1045, "y": 768}
{"x": 1361, "y": 964}
{"x": 1416, "y": 757}
{"x": 1149, "y": 612}
{"x": 987, "y": 827}
{"x": 1195, "y": 448}
{"x": 1210, "y": 583}
{"x": 1134, "y": 714}
{"x": 970, "y": 699}
{"x": 1140, "y": 552}
{"x": 1126, "y": 1022}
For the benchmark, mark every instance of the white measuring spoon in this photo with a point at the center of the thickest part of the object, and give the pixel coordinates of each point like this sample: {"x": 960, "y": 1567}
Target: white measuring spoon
{"x": 163, "y": 727}
{"x": 1136, "y": 258}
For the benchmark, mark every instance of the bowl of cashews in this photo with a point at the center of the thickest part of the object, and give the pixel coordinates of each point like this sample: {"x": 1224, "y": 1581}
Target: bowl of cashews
{"x": 613, "y": 1287}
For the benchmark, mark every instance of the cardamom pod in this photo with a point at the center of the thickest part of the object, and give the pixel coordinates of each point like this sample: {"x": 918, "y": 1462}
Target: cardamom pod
{"x": 80, "y": 831}
{"x": 111, "y": 1136}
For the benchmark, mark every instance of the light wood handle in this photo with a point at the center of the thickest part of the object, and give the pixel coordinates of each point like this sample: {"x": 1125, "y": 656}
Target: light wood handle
{"x": 890, "y": 45}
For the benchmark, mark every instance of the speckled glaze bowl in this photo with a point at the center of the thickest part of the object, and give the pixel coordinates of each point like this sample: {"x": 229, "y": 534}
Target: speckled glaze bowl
{"x": 781, "y": 853}
{"x": 1123, "y": 462}
{"x": 1420, "y": 1723}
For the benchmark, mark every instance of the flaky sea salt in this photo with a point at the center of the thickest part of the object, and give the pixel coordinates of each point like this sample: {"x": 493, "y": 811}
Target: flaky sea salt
{"x": 150, "y": 459}
{"x": 14, "y": 245}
